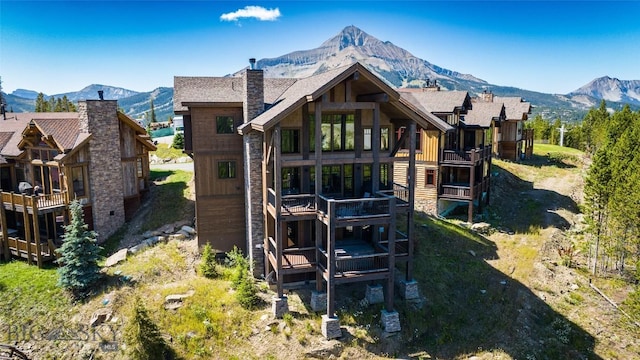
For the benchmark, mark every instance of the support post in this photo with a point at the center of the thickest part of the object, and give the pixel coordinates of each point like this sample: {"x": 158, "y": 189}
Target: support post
{"x": 5, "y": 232}
{"x": 27, "y": 228}
{"x": 412, "y": 191}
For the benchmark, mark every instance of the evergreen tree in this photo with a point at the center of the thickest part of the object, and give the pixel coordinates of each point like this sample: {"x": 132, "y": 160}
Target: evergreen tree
{"x": 152, "y": 111}
{"x": 208, "y": 263}
{"x": 79, "y": 254}
{"x": 142, "y": 336}
{"x": 41, "y": 104}
{"x": 594, "y": 127}
{"x": 178, "y": 141}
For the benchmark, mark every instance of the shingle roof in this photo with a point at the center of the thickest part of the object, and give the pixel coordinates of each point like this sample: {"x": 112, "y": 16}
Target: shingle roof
{"x": 483, "y": 113}
{"x": 64, "y": 131}
{"x": 438, "y": 101}
{"x": 198, "y": 89}
{"x": 15, "y": 123}
{"x": 516, "y": 108}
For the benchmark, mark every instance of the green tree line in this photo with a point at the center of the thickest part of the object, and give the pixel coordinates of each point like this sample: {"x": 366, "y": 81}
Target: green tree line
{"x": 54, "y": 104}
{"x": 612, "y": 193}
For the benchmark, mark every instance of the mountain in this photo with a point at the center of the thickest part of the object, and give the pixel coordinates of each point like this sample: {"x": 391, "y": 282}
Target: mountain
{"x": 395, "y": 65}
{"x": 91, "y": 92}
{"x": 134, "y": 103}
{"x": 25, "y": 94}
{"x": 398, "y": 66}
{"x": 609, "y": 89}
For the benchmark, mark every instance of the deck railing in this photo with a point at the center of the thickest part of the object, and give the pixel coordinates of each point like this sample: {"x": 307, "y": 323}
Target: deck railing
{"x": 356, "y": 264}
{"x": 292, "y": 257}
{"x": 470, "y": 156}
{"x": 42, "y": 200}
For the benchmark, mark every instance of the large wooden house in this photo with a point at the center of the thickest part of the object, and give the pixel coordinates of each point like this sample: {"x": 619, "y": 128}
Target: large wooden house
{"x": 453, "y": 167}
{"x": 299, "y": 174}
{"x": 511, "y": 141}
{"x": 97, "y": 155}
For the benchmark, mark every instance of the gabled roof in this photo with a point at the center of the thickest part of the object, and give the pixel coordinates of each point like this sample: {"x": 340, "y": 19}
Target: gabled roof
{"x": 312, "y": 88}
{"x": 226, "y": 90}
{"x": 483, "y": 113}
{"x": 439, "y": 101}
{"x": 64, "y": 132}
{"x": 15, "y": 123}
{"x": 516, "y": 108}
{"x": 62, "y": 127}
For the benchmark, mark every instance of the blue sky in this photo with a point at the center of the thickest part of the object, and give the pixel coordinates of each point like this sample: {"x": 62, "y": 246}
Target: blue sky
{"x": 547, "y": 46}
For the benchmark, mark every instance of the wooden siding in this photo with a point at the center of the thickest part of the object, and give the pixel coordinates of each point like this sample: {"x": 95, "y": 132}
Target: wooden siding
{"x": 509, "y": 130}
{"x": 128, "y": 142}
{"x": 130, "y": 178}
{"x": 221, "y": 222}
{"x": 204, "y": 135}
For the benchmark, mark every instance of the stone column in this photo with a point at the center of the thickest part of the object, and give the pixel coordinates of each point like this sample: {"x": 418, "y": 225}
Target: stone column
{"x": 253, "y": 105}
{"x": 100, "y": 119}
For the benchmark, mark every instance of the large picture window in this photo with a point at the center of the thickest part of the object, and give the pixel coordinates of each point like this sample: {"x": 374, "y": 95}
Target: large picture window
{"x": 224, "y": 125}
{"x": 226, "y": 169}
{"x": 338, "y": 132}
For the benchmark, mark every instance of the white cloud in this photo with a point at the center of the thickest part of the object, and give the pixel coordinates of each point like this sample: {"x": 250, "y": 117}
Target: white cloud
{"x": 257, "y": 12}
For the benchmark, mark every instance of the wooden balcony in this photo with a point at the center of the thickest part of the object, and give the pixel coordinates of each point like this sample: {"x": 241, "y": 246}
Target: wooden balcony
{"x": 304, "y": 207}
{"x": 365, "y": 263}
{"x": 29, "y": 250}
{"x": 294, "y": 260}
{"x": 470, "y": 157}
{"x": 43, "y": 203}
{"x": 462, "y": 191}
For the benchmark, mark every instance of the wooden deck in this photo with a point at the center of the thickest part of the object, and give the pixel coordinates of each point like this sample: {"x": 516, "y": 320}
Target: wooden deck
{"x": 354, "y": 259}
{"x": 29, "y": 250}
{"x": 304, "y": 207}
{"x": 469, "y": 157}
{"x": 27, "y": 203}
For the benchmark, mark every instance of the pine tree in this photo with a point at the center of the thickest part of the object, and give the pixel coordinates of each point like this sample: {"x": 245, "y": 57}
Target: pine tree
{"x": 208, "y": 263}
{"x": 79, "y": 254}
{"x": 153, "y": 111}
{"x": 41, "y": 103}
{"x": 178, "y": 141}
{"x": 142, "y": 336}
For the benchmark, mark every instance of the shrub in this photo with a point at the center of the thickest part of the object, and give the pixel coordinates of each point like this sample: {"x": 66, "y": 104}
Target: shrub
{"x": 79, "y": 254}
{"x": 208, "y": 263}
{"x": 241, "y": 279}
{"x": 178, "y": 141}
{"x": 142, "y": 336}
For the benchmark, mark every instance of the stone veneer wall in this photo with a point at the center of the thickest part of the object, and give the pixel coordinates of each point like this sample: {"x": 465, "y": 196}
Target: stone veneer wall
{"x": 99, "y": 117}
{"x": 253, "y": 105}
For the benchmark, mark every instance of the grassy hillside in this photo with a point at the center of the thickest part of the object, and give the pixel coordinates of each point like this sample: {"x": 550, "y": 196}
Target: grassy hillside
{"x": 504, "y": 295}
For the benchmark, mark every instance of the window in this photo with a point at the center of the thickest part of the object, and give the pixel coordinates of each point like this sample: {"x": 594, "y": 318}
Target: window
{"x": 430, "y": 177}
{"x": 404, "y": 145}
{"x": 290, "y": 141}
{"x": 384, "y": 176}
{"x": 224, "y": 125}
{"x": 384, "y": 138}
{"x": 338, "y": 132}
{"x": 78, "y": 181}
{"x": 226, "y": 169}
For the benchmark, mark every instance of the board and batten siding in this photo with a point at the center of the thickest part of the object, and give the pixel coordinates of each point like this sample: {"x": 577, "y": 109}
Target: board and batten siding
{"x": 426, "y": 196}
{"x": 220, "y": 204}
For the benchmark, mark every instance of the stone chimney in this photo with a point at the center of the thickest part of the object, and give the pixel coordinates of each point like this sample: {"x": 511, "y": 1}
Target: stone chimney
{"x": 487, "y": 96}
{"x": 100, "y": 119}
{"x": 431, "y": 86}
{"x": 252, "y": 106}
{"x": 253, "y": 93}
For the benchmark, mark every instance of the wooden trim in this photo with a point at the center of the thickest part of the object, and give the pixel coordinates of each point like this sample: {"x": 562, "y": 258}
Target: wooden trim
{"x": 348, "y": 106}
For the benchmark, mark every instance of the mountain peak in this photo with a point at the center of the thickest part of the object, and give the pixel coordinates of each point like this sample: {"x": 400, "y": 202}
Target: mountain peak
{"x": 350, "y": 36}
